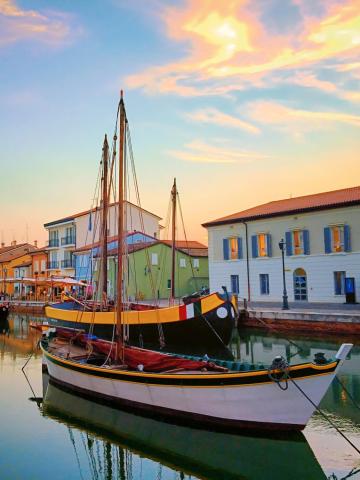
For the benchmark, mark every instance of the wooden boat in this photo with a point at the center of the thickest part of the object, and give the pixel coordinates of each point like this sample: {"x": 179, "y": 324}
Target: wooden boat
{"x": 194, "y": 451}
{"x": 204, "y": 320}
{"x": 208, "y": 321}
{"x": 190, "y": 390}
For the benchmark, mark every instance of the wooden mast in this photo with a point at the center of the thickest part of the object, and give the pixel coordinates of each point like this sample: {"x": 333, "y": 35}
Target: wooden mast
{"x": 104, "y": 228}
{"x": 120, "y": 248}
{"x": 173, "y": 239}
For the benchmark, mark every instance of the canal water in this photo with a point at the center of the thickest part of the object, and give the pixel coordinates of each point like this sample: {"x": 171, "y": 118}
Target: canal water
{"x": 46, "y": 433}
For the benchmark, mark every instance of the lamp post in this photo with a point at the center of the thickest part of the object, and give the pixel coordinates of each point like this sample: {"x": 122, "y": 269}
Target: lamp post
{"x": 285, "y": 304}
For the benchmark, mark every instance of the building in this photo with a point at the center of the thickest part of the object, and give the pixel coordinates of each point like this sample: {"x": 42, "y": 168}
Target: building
{"x": 149, "y": 269}
{"x": 322, "y": 234}
{"x": 79, "y": 230}
{"x": 85, "y": 255}
{"x": 11, "y": 258}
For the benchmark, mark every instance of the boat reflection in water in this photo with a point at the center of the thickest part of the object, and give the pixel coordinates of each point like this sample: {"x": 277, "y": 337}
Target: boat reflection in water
{"x": 114, "y": 438}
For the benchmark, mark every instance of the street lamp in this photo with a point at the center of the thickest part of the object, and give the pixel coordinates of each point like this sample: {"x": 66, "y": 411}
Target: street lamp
{"x": 285, "y": 304}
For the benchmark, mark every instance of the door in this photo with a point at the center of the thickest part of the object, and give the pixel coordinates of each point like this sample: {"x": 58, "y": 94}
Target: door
{"x": 300, "y": 285}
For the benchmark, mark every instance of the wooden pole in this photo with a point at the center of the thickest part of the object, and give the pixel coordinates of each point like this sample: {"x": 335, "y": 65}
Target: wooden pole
{"x": 173, "y": 241}
{"x": 120, "y": 249}
{"x": 105, "y": 207}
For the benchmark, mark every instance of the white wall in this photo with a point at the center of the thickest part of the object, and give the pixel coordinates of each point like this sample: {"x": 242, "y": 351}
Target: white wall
{"x": 319, "y": 266}
{"x": 133, "y": 222}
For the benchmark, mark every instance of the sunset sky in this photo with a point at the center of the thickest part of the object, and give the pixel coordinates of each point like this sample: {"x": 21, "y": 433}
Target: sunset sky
{"x": 242, "y": 101}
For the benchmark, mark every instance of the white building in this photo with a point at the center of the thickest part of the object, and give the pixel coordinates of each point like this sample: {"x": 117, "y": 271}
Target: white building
{"x": 81, "y": 229}
{"x": 322, "y": 234}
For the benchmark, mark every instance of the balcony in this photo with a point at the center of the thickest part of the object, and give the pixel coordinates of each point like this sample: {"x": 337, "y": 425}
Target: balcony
{"x": 54, "y": 265}
{"x": 68, "y": 240}
{"x": 68, "y": 263}
{"x": 53, "y": 242}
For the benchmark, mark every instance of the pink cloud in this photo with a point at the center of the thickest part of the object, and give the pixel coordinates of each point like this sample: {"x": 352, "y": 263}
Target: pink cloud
{"x": 229, "y": 41}
{"x": 199, "y": 151}
{"x": 17, "y": 24}
{"x": 214, "y": 116}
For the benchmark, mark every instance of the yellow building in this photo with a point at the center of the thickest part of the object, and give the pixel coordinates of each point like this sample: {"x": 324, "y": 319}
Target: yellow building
{"x": 11, "y": 257}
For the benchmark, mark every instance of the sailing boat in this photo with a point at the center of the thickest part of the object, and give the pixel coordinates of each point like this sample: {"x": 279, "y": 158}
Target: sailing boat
{"x": 189, "y": 389}
{"x": 206, "y": 320}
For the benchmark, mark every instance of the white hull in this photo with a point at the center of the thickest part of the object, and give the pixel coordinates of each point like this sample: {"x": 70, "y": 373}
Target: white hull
{"x": 257, "y": 404}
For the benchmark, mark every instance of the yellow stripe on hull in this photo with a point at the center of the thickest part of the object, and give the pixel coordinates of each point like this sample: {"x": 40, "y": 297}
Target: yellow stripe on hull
{"x": 132, "y": 317}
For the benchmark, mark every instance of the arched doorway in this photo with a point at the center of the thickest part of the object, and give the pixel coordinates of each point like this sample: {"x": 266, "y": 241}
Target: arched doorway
{"x": 300, "y": 285}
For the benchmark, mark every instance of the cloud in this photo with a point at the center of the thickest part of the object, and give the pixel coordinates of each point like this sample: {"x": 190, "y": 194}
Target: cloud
{"x": 16, "y": 24}
{"x": 228, "y": 45}
{"x": 200, "y": 152}
{"x": 280, "y": 115}
{"x": 212, "y": 115}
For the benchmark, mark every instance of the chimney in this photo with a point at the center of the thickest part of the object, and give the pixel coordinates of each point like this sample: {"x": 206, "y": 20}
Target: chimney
{"x": 13, "y": 243}
{"x": 35, "y": 243}
{"x": 2, "y": 244}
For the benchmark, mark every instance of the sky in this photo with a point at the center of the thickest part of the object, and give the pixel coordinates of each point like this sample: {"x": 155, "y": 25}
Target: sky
{"x": 243, "y": 102}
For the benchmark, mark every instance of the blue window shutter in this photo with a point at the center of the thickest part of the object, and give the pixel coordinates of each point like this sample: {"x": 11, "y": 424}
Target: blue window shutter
{"x": 327, "y": 239}
{"x": 268, "y": 245}
{"x": 240, "y": 249}
{"x": 288, "y": 241}
{"x": 306, "y": 238}
{"x": 347, "y": 244}
{"x": 226, "y": 248}
{"x": 254, "y": 246}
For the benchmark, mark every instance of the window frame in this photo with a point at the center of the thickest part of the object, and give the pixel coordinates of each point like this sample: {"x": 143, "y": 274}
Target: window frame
{"x": 266, "y": 277}
{"x": 342, "y": 285}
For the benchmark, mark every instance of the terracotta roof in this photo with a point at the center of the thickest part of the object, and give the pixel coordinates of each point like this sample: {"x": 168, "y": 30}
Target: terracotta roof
{"x": 9, "y": 247}
{"x": 85, "y": 212}
{"x": 306, "y": 203}
{"x": 186, "y": 244}
{"x": 17, "y": 252}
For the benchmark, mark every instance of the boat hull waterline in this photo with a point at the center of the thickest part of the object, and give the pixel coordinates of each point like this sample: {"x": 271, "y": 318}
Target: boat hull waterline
{"x": 209, "y": 321}
{"x": 230, "y": 401}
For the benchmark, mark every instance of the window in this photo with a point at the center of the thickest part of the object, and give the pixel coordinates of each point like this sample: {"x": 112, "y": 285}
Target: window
{"x": 154, "y": 259}
{"x": 43, "y": 265}
{"x": 261, "y": 245}
{"x": 196, "y": 263}
{"x": 297, "y": 242}
{"x": 36, "y": 266}
{"x": 182, "y": 262}
{"x": 234, "y": 279}
{"x": 264, "y": 284}
{"x": 232, "y": 248}
{"x": 339, "y": 283}
{"x": 337, "y": 239}
{"x": 169, "y": 283}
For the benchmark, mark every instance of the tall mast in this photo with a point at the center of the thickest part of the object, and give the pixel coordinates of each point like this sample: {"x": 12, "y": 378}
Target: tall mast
{"x": 104, "y": 227}
{"x": 173, "y": 239}
{"x": 120, "y": 249}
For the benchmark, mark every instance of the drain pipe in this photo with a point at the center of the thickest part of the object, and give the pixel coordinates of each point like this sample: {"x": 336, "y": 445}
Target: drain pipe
{"x": 247, "y": 260}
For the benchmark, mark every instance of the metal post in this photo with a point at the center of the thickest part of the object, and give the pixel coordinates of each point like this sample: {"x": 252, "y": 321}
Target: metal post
{"x": 285, "y": 303}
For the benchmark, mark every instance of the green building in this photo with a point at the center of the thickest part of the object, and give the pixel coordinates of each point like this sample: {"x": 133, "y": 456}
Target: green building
{"x": 149, "y": 269}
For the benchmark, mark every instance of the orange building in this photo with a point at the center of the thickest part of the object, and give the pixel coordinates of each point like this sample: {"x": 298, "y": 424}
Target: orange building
{"x": 11, "y": 257}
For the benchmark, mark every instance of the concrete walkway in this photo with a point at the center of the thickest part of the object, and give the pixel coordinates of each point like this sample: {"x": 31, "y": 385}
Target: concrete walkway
{"x": 306, "y": 307}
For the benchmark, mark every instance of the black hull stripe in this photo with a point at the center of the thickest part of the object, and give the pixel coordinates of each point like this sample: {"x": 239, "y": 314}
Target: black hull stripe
{"x": 179, "y": 380}
{"x": 176, "y": 416}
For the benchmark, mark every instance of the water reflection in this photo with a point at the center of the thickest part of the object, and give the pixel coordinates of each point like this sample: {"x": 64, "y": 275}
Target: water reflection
{"x": 211, "y": 455}
{"x": 85, "y": 440}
